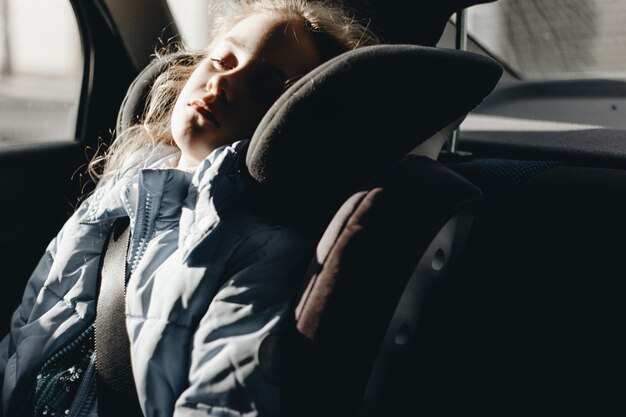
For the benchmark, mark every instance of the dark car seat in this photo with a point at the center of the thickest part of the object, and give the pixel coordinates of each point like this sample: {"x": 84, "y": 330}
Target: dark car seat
{"x": 333, "y": 157}
{"x": 395, "y": 205}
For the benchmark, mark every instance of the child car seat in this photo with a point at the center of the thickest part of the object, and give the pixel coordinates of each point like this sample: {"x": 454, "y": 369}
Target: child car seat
{"x": 332, "y": 154}
{"x": 398, "y": 208}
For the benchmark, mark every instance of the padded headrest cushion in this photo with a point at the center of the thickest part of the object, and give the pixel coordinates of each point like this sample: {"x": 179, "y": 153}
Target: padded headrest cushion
{"x": 135, "y": 100}
{"x": 360, "y": 111}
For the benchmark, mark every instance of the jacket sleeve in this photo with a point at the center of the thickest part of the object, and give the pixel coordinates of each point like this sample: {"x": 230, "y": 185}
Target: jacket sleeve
{"x": 21, "y": 314}
{"x": 225, "y": 378}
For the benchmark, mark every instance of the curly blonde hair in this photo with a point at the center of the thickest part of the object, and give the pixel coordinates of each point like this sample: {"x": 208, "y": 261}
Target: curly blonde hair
{"x": 333, "y": 31}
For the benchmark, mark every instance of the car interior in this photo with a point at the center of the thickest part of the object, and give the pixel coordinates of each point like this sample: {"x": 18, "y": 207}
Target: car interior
{"x": 460, "y": 268}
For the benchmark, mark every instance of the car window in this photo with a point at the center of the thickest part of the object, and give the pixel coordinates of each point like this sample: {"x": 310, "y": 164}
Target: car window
{"x": 40, "y": 71}
{"x": 554, "y": 39}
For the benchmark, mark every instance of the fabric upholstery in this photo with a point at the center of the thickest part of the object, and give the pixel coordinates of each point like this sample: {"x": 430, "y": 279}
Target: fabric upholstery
{"x": 134, "y": 102}
{"x": 359, "y": 112}
{"x": 362, "y": 265}
{"x": 529, "y": 320}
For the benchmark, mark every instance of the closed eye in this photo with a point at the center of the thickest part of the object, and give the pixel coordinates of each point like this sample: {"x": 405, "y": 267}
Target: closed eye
{"x": 220, "y": 64}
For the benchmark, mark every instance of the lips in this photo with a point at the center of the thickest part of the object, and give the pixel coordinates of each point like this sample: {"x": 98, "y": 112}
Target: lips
{"x": 203, "y": 109}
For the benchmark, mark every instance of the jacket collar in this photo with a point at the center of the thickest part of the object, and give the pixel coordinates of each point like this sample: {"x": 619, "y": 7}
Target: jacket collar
{"x": 218, "y": 184}
{"x": 216, "y": 188}
{"x": 111, "y": 199}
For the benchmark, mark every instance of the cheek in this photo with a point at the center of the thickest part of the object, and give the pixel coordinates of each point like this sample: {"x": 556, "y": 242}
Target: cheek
{"x": 178, "y": 118}
{"x": 188, "y": 88}
{"x": 180, "y": 108}
{"x": 177, "y": 110}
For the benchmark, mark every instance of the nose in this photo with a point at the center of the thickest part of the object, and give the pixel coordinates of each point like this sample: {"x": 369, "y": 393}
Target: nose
{"x": 216, "y": 88}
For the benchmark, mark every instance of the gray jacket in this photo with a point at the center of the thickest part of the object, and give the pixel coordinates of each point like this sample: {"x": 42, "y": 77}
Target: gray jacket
{"x": 210, "y": 280}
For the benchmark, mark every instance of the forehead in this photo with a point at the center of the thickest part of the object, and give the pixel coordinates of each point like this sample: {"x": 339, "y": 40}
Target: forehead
{"x": 278, "y": 40}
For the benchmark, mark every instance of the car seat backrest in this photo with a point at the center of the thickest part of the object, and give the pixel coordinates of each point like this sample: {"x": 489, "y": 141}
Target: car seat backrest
{"x": 527, "y": 320}
{"x": 362, "y": 267}
{"x": 406, "y": 211}
{"x": 355, "y": 115}
{"x": 341, "y": 135}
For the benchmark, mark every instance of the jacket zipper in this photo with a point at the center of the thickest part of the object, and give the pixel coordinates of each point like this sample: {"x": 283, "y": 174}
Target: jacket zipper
{"x": 25, "y": 410}
{"x": 142, "y": 242}
{"x": 80, "y": 405}
{"x": 27, "y": 406}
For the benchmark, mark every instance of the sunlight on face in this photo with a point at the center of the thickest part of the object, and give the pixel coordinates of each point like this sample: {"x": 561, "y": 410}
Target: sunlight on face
{"x": 245, "y": 71}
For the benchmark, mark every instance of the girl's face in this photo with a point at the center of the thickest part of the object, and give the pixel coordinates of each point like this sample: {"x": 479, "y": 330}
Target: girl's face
{"x": 244, "y": 72}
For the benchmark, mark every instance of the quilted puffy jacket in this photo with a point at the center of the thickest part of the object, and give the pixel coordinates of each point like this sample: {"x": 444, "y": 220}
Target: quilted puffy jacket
{"x": 210, "y": 280}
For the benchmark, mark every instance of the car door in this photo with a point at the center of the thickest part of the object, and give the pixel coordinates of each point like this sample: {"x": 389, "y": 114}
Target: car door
{"x": 64, "y": 72}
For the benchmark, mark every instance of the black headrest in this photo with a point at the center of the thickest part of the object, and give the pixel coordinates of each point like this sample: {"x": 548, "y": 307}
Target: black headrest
{"x": 359, "y": 112}
{"x": 135, "y": 100}
{"x": 410, "y": 22}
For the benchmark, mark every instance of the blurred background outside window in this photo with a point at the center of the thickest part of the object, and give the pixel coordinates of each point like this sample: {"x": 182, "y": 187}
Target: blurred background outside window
{"x": 40, "y": 71}
{"x": 41, "y": 57}
{"x": 554, "y": 39}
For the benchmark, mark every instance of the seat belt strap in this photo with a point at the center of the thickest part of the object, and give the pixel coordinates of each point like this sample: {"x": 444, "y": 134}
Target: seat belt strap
{"x": 117, "y": 394}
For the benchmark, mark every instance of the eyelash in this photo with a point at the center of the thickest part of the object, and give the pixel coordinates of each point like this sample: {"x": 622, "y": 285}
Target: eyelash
{"x": 220, "y": 64}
